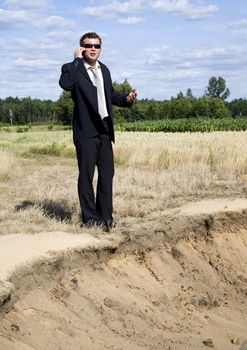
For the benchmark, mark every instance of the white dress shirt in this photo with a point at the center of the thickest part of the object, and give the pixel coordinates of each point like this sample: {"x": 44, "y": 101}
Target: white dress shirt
{"x": 90, "y": 73}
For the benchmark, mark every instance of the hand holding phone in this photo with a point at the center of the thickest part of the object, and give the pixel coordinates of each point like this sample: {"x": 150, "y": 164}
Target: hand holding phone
{"x": 79, "y": 52}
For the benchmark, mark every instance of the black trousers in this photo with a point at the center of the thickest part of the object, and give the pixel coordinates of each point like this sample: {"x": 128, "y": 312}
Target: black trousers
{"x": 91, "y": 153}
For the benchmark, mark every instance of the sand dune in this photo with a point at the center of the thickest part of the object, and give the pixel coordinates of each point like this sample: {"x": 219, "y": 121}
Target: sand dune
{"x": 177, "y": 281}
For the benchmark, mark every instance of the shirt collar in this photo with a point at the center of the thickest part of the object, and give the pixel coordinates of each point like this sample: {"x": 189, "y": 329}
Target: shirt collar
{"x": 87, "y": 66}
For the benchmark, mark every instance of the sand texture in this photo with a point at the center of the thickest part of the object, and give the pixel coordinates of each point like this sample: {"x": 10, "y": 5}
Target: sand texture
{"x": 177, "y": 281}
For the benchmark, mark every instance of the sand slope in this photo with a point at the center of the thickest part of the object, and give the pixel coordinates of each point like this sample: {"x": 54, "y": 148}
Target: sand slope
{"x": 173, "y": 282}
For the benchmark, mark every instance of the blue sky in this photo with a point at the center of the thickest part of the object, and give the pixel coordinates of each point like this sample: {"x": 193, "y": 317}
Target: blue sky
{"x": 161, "y": 46}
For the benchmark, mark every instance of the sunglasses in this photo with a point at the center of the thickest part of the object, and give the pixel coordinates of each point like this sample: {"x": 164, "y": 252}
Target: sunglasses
{"x": 90, "y": 46}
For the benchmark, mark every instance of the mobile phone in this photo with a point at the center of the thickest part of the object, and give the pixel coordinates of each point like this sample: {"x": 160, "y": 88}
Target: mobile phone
{"x": 83, "y": 52}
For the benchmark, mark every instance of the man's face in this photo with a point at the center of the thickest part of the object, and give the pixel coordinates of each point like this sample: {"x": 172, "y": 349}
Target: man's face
{"x": 91, "y": 52}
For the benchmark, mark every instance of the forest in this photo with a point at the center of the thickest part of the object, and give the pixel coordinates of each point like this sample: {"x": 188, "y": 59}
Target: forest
{"x": 213, "y": 104}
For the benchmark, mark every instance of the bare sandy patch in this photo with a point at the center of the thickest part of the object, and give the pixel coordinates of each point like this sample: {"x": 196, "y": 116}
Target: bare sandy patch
{"x": 178, "y": 282}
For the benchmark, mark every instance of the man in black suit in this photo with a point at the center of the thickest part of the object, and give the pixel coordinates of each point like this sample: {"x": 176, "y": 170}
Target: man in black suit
{"x": 93, "y": 94}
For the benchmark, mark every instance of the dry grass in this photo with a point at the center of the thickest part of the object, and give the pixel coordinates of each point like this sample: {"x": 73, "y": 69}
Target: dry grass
{"x": 8, "y": 162}
{"x": 30, "y": 144}
{"x": 153, "y": 172}
{"x": 220, "y": 152}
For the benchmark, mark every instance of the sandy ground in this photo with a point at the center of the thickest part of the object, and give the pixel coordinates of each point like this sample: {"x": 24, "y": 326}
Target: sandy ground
{"x": 177, "y": 281}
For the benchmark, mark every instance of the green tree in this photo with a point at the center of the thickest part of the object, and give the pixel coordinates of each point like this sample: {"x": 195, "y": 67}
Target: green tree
{"x": 165, "y": 109}
{"x": 125, "y": 114}
{"x": 238, "y": 107}
{"x": 180, "y": 95}
{"x": 64, "y": 108}
{"x": 218, "y": 109}
{"x": 136, "y": 112}
{"x": 151, "y": 111}
{"x": 217, "y": 88}
{"x": 181, "y": 108}
{"x": 201, "y": 107}
{"x": 124, "y": 87}
{"x": 27, "y": 111}
{"x": 189, "y": 94}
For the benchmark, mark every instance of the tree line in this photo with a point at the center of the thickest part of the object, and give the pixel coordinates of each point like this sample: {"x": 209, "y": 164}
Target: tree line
{"x": 20, "y": 111}
{"x": 213, "y": 104}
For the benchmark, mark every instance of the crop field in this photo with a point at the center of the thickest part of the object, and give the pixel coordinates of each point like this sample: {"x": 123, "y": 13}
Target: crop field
{"x": 186, "y": 125}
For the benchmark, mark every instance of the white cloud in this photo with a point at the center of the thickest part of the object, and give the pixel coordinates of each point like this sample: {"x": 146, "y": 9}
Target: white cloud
{"x": 240, "y": 24}
{"x": 128, "y": 6}
{"x": 177, "y": 6}
{"x": 27, "y": 4}
{"x": 44, "y": 63}
{"x": 31, "y": 83}
{"x": 172, "y": 68}
{"x": 112, "y": 9}
{"x": 168, "y": 55}
{"x": 183, "y": 73}
{"x": 207, "y": 53}
{"x": 172, "y": 55}
{"x": 130, "y": 20}
{"x": 99, "y": 12}
{"x": 45, "y": 44}
{"x": 55, "y": 22}
{"x": 184, "y": 7}
{"x": 162, "y": 55}
{"x": 200, "y": 12}
{"x": 13, "y": 19}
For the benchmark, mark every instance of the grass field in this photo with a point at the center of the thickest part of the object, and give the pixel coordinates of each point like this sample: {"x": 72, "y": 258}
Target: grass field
{"x": 154, "y": 171}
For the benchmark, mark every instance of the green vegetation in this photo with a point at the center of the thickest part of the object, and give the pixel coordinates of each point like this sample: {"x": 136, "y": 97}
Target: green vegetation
{"x": 217, "y": 88}
{"x": 22, "y": 111}
{"x": 53, "y": 149}
{"x": 34, "y": 128}
{"x": 212, "y": 105}
{"x": 186, "y": 125}
{"x": 38, "y": 143}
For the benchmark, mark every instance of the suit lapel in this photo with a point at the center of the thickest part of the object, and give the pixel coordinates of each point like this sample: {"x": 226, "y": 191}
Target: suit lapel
{"x": 89, "y": 90}
{"x": 84, "y": 72}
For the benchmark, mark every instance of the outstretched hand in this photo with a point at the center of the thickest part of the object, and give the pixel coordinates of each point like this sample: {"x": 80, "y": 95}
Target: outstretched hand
{"x": 132, "y": 96}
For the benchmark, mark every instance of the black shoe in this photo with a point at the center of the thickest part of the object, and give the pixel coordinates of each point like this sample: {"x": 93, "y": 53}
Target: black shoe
{"x": 108, "y": 225}
{"x": 112, "y": 224}
{"x": 91, "y": 223}
{"x": 105, "y": 226}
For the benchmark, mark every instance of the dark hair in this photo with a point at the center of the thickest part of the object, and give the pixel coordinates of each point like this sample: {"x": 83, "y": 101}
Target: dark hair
{"x": 90, "y": 35}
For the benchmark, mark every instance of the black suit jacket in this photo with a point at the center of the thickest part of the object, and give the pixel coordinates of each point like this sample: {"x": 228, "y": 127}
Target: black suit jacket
{"x": 87, "y": 121}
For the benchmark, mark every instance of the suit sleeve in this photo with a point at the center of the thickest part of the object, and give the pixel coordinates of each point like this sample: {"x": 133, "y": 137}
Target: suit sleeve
{"x": 69, "y": 74}
{"x": 119, "y": 99}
